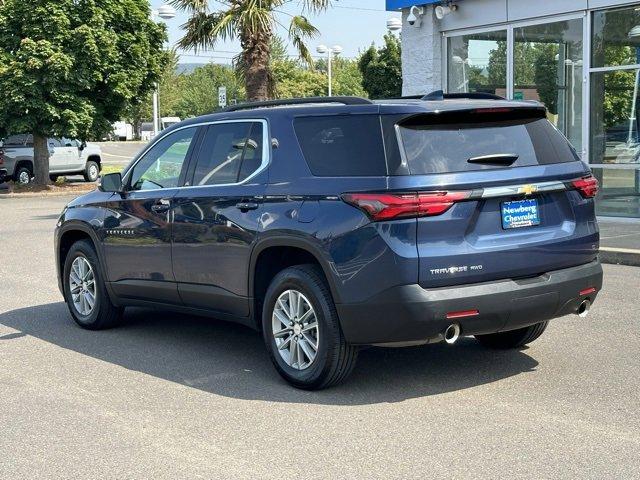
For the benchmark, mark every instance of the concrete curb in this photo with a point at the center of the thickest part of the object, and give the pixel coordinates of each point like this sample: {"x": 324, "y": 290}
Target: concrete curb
{"x": 620, "y": 256}
{"x": 43, "y": 194}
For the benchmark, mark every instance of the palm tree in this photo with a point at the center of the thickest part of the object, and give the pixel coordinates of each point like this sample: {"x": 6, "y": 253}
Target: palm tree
{"x": 253, "y": 22}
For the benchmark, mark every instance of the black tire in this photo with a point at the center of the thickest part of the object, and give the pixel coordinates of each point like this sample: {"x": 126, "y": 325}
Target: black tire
{"x": 53, "y": 178}
{"x": 513, "y": 338}
{"x": 91, "y": 171}
{"x": 335, "y": 358}
{"x": 104, "y": 314}
{"x": 21, "y": 174}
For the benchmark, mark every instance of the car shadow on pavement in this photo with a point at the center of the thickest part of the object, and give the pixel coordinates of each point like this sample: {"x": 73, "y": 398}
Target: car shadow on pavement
{"x": 231, "y": 360}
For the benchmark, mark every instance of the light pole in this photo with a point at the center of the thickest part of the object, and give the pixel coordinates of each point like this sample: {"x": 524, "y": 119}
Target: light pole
{"x": 324, "y": 50}
{"x": 165, "y": 12}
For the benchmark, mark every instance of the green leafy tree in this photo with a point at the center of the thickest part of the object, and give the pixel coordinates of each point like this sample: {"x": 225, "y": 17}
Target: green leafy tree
{"x": 293, "y": 79}
{"x": 253, "y": 23}
{"x": 71, "y": 67}
{"x": 199, "y": 90}
{"x": 381, "y": 69}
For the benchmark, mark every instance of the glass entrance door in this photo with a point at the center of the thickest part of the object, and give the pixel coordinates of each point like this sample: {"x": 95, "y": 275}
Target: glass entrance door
{"x": 615, "y": 144}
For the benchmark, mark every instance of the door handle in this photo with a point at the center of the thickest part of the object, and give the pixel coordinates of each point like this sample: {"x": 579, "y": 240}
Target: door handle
{"x": 162, "y": 206}
{"x": 246, "y": 206}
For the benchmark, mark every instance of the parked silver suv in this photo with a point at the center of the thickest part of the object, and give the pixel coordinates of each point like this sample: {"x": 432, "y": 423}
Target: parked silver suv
{"x": 66, "y": 157}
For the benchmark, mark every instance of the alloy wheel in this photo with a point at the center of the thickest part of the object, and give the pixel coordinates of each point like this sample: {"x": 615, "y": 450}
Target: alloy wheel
{"x": 295, "y": 329}
{"x": 24, "y": 177}
{"x": 82, "y": 286}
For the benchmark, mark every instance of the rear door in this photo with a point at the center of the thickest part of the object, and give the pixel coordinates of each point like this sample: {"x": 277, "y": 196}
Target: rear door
{"x": 514, "y": 211}
{"x": 216, "y": 218}
{"x": 60, "y": 158}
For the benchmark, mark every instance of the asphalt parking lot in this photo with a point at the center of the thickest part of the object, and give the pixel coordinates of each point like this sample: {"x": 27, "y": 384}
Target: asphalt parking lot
{"x": 172, "y": 396}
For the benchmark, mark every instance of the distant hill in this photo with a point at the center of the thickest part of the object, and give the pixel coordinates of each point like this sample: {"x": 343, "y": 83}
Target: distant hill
{"x": 187, "y": 67}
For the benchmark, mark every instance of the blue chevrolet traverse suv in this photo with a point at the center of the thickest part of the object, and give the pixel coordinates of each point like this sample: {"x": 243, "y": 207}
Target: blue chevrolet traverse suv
{"x": 332, "y": 223}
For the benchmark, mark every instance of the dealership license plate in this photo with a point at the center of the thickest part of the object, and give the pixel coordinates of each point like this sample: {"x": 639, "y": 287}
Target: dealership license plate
{"x": 520, "y": 213}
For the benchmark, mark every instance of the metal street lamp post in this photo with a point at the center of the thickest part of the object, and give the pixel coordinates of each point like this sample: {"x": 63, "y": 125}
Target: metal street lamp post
{"x": 165, "y": 12}
{"x": 324, "y": 50}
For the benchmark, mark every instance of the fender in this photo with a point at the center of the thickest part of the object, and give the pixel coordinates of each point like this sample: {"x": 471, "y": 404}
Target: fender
{"x": 307, "y": 244}
{"x": 84, "y": 227}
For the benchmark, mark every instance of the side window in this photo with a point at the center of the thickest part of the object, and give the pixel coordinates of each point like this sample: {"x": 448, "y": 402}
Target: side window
{"x": 54, "y": 143}
{"x": 230, "y": 153}
{"x": 338, "y": 146}
{"x": 16, "y": 141}
{"x": 161, "y": 166}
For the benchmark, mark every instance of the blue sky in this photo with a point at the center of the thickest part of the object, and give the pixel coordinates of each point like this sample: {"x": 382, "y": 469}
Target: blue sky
{"x": 352, "y": 24}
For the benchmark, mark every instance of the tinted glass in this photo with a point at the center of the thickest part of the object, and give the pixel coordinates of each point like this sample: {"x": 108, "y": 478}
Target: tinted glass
{"x": 222, "y": 152}
{"x": 548, "y": 68}
{"x": 161, "y": 166}
{"x": 478, "y": 63}
{"x": 340, "y": 146}
{"x": 615, "y": 37}
{"x": 252, "y": 157}
{"x": 442, "y": 149}
{"x": 16, "y": 140}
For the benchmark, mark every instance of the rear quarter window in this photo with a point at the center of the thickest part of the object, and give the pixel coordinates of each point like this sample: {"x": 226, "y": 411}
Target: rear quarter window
{"x": 447, "y": 148}
{"x": 342, "y": 146}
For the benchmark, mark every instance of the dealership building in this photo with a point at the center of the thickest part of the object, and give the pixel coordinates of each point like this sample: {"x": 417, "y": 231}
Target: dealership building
{"x": 581, "y": 58}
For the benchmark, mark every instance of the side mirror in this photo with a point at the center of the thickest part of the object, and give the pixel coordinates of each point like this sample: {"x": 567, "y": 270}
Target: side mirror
{"x": 111, "y": 182}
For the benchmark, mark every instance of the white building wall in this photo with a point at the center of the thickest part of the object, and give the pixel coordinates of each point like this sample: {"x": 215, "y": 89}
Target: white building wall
{"x": 421, "y": 55}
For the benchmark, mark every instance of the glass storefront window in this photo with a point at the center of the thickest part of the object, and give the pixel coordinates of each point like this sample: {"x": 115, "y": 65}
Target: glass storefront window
{"x": 614, "y": 117}
{"x": 478, "y": 63}
{"x": 616, "y": 37}
{"x": 548, "y": 67}
{"x": 619, "y": 192}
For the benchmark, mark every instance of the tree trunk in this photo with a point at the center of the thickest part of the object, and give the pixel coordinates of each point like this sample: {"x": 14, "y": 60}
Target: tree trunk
{"x": 41, "y": 160}
{"x": 256, "y": 51}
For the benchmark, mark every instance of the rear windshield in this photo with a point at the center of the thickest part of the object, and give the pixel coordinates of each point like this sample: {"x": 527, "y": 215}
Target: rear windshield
{"x": 465, "y": 147}
{"x": 19, "y": 140}
{"x": 342, "y": 146}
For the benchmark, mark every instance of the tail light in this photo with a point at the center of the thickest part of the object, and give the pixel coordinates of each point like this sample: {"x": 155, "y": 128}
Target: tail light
{"x": 388, "y": 206}
{"x": 1, "y": 156}
{"x": 587, "y": 186}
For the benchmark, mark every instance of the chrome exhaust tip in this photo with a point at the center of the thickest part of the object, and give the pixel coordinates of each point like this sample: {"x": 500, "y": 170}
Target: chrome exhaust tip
{"x": 452, "y": 333}
{"x": 583, "y": 309}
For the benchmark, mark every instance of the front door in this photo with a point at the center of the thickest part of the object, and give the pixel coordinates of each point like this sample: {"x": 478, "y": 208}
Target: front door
{"x": 137, "y": 226}
{"x": 216, "y": 218}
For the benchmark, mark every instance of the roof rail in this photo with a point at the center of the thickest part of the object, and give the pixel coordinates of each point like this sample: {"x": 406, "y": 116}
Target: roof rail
{"x": 440, "y": 95}
{"x": 299, "y": 101}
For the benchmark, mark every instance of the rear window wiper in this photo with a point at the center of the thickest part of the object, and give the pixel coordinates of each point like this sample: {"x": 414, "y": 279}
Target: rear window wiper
{"x": 495, "y": 159}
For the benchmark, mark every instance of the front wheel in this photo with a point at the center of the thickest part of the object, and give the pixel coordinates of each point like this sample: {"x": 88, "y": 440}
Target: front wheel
{"x": 23, "y": 176}
{"x": 91, "y": 171}
{"x": 513, "y": 338}
{"x": 84, "y": 289}
{"x": 302, "y": 332}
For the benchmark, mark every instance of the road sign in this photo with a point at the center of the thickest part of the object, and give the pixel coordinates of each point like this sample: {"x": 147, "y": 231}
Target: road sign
{"x": 222, "y": 97}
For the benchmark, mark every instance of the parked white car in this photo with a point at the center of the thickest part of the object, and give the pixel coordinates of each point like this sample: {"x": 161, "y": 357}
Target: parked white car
{"x": 66, "y": 157}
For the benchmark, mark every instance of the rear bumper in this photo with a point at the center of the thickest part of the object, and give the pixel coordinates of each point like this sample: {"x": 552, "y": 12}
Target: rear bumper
{"x": 411, "y": 314}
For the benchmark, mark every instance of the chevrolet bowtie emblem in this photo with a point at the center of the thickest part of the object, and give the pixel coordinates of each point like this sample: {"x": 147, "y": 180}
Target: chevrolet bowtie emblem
{"x": 528, "y": 189}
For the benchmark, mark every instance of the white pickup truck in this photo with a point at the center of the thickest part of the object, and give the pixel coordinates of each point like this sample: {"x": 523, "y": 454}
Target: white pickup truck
{"x": 66, "y": 157}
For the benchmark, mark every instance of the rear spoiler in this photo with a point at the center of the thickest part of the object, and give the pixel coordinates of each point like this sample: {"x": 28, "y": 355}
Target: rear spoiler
{"x": 474, "y": 115}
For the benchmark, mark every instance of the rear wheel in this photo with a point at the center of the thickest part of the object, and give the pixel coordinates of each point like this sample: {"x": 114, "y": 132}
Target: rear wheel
{"x": 91, "y": 171}
{"x": 302, "y": 332}
{"x": 513, "y": 338}
{"x": 84, "y": 289}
